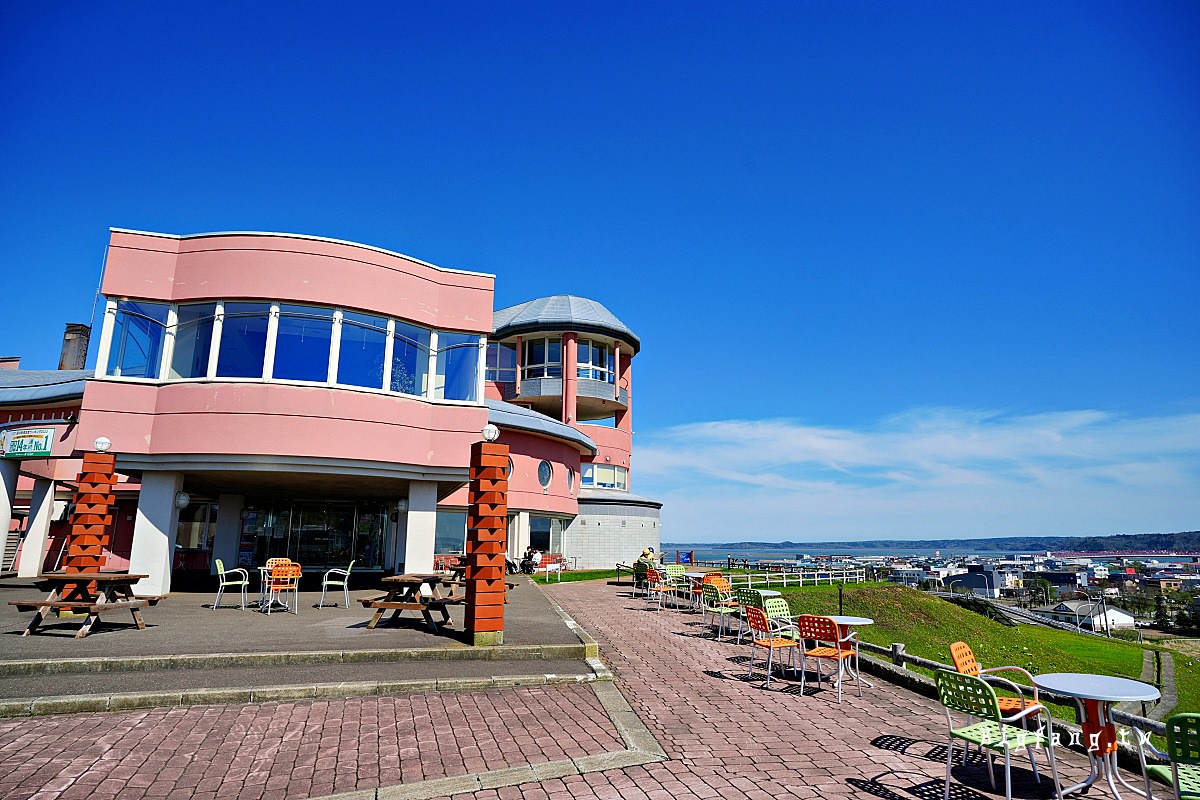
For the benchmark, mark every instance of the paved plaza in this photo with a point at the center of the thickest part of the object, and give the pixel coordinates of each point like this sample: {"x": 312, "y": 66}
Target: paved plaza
{"x": 677, "y": 720}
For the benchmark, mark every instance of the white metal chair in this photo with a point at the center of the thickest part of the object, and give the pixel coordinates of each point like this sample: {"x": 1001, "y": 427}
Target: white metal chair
{"x": 336, "y": 577}
{"x": 230, "y": 577}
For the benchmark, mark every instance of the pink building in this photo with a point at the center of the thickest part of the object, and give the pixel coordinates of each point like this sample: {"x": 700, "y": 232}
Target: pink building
{"x": 274, "y": 394}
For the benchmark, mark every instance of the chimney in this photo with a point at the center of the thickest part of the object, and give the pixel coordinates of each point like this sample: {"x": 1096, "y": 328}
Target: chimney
{"x": 10, "y": 362}
{"x": 75, "y": 346}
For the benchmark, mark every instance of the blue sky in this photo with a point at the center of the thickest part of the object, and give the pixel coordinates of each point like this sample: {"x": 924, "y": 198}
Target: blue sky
{"x": 902, "y": 270}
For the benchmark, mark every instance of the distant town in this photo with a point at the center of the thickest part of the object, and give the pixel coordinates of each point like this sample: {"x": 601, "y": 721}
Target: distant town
{"x": 1099, "y": 584}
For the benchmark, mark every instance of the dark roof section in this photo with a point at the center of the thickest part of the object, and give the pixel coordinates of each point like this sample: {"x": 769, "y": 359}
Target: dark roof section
{"x": 615, "y": 497}
{"x": 562, "y": 312}
{"x": 506, "y": 415}
{"x": 41, "y": 385}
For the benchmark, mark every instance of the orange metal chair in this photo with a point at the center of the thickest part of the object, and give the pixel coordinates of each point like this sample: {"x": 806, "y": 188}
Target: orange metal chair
{"x": 765, "y": 632}
{"x": 658, "y": 588}
{"x": 698, "y": 588}
{"x": 285, "y": 578}
{"x": 811, "y": 628}
{"x": 964, "y": 662}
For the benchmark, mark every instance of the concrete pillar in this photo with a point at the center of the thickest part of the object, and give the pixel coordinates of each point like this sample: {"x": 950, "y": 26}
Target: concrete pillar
{"x": 229, "y": 530}
{"x": 570, "y": 378}
{"x": 37, "y": 533}
{"x": 9, "y": 470}
{"x": 421, "y": 530}
{"x": 625, "y": 378}
{"x": 154, "y": 532}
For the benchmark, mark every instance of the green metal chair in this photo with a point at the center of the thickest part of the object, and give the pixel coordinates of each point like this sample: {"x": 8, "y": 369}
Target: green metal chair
{"x": 718, "y": 604}
{"x": 336, "y": 577}
{"x": 746, "y": 598}
{"x": 1183, "y": 748}
{"x": 230, "y": 577}
{"x": 972, "y": 696}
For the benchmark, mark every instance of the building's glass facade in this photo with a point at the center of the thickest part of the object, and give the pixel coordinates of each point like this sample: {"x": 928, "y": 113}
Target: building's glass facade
{"x": 289, "y": 342}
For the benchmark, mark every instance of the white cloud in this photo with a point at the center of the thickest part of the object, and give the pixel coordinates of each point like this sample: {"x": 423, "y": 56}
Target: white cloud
{"x": 931, "y": 473}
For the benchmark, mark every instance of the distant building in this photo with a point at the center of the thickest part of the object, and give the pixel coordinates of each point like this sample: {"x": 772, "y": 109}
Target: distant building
{"x": 1087, "y": 614}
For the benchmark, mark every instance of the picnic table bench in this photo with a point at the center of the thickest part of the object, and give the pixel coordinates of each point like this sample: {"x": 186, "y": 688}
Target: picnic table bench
{"x": 71, "y": 592}
{"x": 406, "y": 593}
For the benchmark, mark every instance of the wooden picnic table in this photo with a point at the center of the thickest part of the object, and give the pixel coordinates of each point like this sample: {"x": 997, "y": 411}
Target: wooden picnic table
{"x": 407, "y": 593}
{"x": 72, "y": 592}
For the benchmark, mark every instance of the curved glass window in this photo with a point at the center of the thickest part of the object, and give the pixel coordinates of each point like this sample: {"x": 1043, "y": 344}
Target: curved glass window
{"x": 193, "y": 340}
{"x": 137, "y": 340}
{"x": 595, "y": 361}
{"x": 543, "y": 358}
{"x": 360, "y": 354}
{"x": 604, "y": 476}
{"x": 457, "y": 366}
{"x": 294, "y": 342}
{"x": 410, "y": 359}
{"x": 302, "y": 344}
{"x": 243, "y": 340}
{"x": 570, "y": 479}
{"x": 501, "y": 363}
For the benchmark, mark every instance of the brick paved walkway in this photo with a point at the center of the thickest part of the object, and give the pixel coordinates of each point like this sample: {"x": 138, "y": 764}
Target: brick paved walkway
{"x": 723, "y": 737}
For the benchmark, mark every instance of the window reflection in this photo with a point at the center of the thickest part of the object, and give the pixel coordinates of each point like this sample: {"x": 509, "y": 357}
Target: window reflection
{"x": 543, "y": 358}
{"x": 501, "y": 363}
{"x": 457, "y": 366}
{"x": 193, "y": 340}
{"x": 410, "y": 359}
{"x": 302, "y": 344}
{"x": 243, "y": 340}
{"x": 360, "y": 354}
{"x": 137, "y": 340}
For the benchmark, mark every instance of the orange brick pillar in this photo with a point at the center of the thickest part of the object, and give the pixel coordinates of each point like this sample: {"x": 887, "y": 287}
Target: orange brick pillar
{"x": 91, "y": 519}
{"x": 487, "y": 542}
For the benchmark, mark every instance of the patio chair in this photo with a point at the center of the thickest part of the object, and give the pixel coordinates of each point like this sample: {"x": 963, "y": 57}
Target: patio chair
{"x": 657, "y": 588}
{"x": 746, "y": 598}
{"x": 285, "y": 578}
{"x": 698, "y": 589}
{"x": 972, "y": 696}
{"x": 815, "y": 629}
{"x": 1183, "y": 748}
{"x": 264, "y": 578}
{"x": 336, "y": 577}
{"x": 964, "y": 662}
{"x": 719, "y": 605}
{"x": 230, "y": 577}
{"x": 771, "y": 634}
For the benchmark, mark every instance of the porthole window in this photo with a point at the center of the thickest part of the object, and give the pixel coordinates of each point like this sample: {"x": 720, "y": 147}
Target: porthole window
{"x": 570, "y": 480}
{"x": 508, "y": 474}
{"x": 545, "y": 473}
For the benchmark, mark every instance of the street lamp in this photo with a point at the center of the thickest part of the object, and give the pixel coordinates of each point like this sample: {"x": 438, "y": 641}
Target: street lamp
{"x": 952, "y": 585}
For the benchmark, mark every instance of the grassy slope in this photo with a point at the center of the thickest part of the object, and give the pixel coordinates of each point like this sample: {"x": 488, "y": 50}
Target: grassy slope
{"x": 928, "y": 626}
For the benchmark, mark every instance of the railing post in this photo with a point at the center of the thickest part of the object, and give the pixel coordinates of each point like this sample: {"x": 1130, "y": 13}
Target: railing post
{"x": 898, "y": 655}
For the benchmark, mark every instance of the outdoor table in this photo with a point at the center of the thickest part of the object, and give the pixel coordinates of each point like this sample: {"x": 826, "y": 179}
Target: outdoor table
{"x": 114, "y": 590}
{"x": 406, "y": 593}
{"x": 845, "y": 623}
{"x": 1095, "y": 696}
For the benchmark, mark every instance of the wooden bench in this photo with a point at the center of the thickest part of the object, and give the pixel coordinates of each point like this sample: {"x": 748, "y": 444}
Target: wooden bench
{"x": 78, "y": 605}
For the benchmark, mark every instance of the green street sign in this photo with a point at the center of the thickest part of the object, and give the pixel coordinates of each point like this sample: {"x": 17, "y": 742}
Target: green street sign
{"x": 28, "y": 443}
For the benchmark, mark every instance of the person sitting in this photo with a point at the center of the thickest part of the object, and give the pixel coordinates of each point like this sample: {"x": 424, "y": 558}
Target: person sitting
{"x": 537, "y": 560}
{"x": 527, "y": 561}
{"x": 645, "y": 561}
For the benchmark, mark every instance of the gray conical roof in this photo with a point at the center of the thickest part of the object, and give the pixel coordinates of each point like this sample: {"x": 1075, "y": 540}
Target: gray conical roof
{"x": 561, "y": 312}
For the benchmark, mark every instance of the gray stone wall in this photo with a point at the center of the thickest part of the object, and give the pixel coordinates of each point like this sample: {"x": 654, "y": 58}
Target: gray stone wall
{"x": 607, "y": 533}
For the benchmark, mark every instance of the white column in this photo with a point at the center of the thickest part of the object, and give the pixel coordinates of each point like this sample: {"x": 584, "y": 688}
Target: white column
{"x": 154, "y": 531}
{"x": 37, "y": 532}
{"x": 422, "y": 526}
{"x": 9, "y": 470}
{"x": 229, "y": 530}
